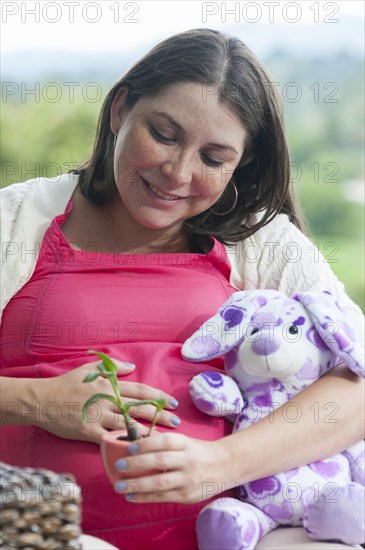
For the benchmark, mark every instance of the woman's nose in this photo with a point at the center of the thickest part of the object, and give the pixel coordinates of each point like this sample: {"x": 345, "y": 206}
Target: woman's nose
{"x": 179, "y": 169}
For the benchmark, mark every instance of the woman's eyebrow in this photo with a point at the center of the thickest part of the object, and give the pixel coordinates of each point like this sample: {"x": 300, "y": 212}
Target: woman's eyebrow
{"x": 169, "y": 118}
{"x": 179, "y": 127}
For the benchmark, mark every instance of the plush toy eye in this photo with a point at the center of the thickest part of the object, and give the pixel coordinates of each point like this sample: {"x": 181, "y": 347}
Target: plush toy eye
{"x": 293, "y": 330}
{"x": 254, "y": 331}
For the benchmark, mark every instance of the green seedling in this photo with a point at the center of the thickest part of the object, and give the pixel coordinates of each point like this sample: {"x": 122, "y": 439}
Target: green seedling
{"x": 108, "y": 369}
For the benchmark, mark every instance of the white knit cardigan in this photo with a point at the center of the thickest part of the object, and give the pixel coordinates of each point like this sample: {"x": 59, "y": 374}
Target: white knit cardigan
{"x": 278, "y": 256}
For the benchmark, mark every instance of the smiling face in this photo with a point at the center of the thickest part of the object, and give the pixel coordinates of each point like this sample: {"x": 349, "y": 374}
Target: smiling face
{"x": 174, "y": 155}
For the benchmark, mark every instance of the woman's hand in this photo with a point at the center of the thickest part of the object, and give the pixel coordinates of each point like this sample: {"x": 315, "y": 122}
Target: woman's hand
{"x": 68, "y": 393}
{"x": 191, "y": 470}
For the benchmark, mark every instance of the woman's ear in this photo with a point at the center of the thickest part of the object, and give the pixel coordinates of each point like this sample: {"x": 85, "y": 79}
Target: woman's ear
{"x": 335, "y": 327}
{"x": 118, "y": 109}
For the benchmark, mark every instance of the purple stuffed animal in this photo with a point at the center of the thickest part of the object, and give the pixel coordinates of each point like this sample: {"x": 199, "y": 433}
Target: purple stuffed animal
{"x": 275, "y": 346}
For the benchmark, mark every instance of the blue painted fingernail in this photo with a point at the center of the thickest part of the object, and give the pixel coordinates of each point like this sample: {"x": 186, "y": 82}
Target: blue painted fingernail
{"x": 133, "y": 448}
{"x": 121, "y": 464}
{"x": 130, "y": 496}
{"x": 175, "y": 421}
{"x": 129, "y": 365}
{"x": 173, "y": 403}
{"x": 120, "y": 486}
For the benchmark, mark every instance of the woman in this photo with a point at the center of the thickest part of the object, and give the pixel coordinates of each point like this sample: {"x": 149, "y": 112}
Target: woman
{"x": 130, "y": 255}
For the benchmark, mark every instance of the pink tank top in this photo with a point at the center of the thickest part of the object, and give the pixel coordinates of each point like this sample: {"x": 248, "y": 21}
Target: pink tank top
{"x": 138, "y": 308}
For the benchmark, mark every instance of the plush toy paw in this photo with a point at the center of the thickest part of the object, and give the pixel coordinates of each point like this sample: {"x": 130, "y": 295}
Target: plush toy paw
{"x": 340, "y": 517}
{"x": 229, "y": 523}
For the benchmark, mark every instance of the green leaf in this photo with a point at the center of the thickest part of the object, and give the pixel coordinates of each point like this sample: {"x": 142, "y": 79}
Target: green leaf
{"x": 160, "y": 404}
{"x": 91, "y": 376}
{"x": 107, "y": 362}
{"x": 130, "y": 404}
{"x": 101, "y": 368}
{"x": 93, "y": 400}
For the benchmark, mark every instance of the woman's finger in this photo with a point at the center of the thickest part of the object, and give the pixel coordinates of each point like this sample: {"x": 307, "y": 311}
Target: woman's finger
{"x": 159, "y": 442}
{"x": 162, "y": 461}
{"x": 123, "y": 367}
{"x": 147, "y": 412}
{"x": 167, "y": 487}
{"x": 154, "y": 484}
{"x": 175, "y": 495}
{"x": 138, "y": 391}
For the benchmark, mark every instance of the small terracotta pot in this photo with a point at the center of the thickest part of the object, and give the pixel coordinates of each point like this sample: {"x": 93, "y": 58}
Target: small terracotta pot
{"x": 114, "y": 446}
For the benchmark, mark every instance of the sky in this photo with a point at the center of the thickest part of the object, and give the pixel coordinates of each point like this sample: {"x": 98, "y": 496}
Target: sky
{"x": 83, "y": 25}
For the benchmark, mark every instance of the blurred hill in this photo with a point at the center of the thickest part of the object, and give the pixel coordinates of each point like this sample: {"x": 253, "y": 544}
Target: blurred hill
{"x": 318, "y": 40}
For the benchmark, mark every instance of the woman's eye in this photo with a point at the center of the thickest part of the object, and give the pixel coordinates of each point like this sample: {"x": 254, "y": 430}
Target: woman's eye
{"x": 211, "y": 162}
{"x": 165, "y": 139}
{"x": 160, "y": 137}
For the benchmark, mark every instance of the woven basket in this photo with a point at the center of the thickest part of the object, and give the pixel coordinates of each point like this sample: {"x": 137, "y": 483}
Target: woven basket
{"x": 39, "y": 509}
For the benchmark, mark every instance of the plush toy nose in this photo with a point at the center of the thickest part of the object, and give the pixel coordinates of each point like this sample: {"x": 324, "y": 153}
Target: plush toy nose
{"x": 265, "y": 344}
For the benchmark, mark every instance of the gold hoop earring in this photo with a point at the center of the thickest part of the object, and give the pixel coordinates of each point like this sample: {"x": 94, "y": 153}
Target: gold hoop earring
{"x": 231, "y": 208}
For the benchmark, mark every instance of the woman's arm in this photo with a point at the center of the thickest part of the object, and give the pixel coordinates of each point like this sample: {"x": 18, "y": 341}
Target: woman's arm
{"x": 16, "y": 394}
{"x": 322, "y": 420}
{"x": 30, "y": 401}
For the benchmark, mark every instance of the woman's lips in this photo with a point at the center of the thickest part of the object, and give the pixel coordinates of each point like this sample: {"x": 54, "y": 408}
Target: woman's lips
{"x": 160, "y": 194}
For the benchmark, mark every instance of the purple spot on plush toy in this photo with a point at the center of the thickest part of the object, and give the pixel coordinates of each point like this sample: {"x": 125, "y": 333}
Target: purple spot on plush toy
{"x": 348, "y": 331}
{"x": 273, "y": 385}
{"x": 206, "y": 345}
{"x": 299, "y": 321}
{"x": 263, "y": 400}
{"x": 214, "y": 379}
{"x": 291, "y": 473}
{"x": 265, "y": 346}
{"x": 341, "y": 340}
{"x": 264, "y": 319}
{"x": 261, "y": 300}
{"x": 328, "y": 468}
{"x": 204, "y": 405}
{"x": 264, "y": 486}
{"x": 242, "y": 417}
{"x": 237, "y": 403}
{"x": 233, "y": 316}
{"x": 242, "y": 492}
{"x": 313, "y": 336}
{"x": 282, "y": 511}
{"x": 250, "y": 532}
{"x": 309, "y": 371}
{"x": 231, "y": 359}
{"x": 338, "y": 305}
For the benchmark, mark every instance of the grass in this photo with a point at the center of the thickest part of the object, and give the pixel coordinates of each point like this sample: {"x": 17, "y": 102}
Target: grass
{"x": 345, "y": 257}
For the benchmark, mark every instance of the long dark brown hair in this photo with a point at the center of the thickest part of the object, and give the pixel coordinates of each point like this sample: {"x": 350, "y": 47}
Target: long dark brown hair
{"x": 224, "y": 65}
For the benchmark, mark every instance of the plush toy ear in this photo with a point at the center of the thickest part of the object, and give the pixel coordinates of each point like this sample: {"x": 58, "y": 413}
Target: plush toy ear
{"x": 335, "y": 327}
{"x": 228, "y": 327}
